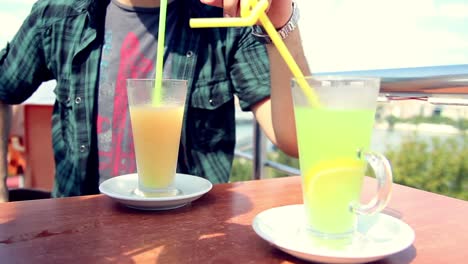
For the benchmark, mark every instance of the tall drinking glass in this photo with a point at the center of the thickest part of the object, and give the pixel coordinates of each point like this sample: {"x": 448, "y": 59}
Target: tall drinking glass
{"x": 156, "y": 128}
{"x": 334, "y": 140}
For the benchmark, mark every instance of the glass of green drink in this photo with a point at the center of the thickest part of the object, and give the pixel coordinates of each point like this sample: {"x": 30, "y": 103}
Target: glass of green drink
{"x": 334, "y": 140}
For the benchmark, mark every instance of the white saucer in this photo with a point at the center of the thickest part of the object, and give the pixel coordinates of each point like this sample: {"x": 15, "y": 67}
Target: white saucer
{"x": 121, "y": 189}
{"x": 378, "y": 236}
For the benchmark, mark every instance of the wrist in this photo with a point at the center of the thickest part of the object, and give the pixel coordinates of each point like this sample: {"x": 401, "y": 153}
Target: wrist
{"x": 280, "y": 12}
{"x": 291, "y": 24}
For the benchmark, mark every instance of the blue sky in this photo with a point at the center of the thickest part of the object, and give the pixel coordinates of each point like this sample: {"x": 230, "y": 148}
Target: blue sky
{"x": 341, "y": 35}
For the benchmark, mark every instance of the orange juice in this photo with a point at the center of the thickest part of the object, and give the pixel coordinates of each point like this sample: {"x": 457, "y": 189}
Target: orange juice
{"x": 156, "y": 135}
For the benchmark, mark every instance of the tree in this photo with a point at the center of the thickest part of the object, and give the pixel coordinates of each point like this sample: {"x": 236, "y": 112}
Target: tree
{"x": 439, "y": 167}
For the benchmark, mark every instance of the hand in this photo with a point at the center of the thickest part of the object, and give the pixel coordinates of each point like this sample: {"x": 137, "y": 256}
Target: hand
{"x": 279, "y": 11}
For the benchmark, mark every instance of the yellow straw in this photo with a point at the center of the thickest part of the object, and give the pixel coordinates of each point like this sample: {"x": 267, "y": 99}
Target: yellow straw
{"x": 288, "y": 58}
{"x": 157, "y": 91}
{"x": 249, "y": 18}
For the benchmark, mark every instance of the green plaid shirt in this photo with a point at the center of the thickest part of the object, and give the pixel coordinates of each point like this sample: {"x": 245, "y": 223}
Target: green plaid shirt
{"x": 62, "y": 40}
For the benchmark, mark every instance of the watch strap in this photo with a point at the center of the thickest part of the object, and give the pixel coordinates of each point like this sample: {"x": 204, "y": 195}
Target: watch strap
{"x": 260, "y": 34}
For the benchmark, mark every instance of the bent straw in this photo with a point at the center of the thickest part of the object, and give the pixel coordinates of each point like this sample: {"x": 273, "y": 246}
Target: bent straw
{"x": 249, "y": 18}
{"x": 157, "y": 91}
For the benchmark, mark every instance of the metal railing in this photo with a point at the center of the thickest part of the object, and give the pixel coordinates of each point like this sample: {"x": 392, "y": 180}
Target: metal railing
{"x": 259, "y": 156}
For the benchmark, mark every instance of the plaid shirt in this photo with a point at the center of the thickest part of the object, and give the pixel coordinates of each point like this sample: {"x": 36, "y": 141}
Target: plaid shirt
{"x": 62, "y": 40}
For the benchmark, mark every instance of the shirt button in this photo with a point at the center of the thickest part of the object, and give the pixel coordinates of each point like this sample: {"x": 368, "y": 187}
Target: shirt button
{"x": 77, "y": 100}
{"x": 211, "y": 102}
{"x": 189, "y": 54}
{"x": 82, "y": 148}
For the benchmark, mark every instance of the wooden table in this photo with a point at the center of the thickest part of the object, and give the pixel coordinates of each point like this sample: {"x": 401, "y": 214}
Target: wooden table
{"x": 214, "y": 229}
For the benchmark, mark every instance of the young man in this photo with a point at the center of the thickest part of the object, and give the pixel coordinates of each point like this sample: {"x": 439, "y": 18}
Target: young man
{"x": 92, "y": 47}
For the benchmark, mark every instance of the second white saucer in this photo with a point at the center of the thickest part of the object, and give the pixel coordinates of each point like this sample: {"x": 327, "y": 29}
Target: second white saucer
{"x": 377, "y": 236}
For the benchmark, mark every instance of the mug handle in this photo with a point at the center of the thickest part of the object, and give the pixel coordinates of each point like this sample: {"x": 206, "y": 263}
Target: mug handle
{"x": 383, "y": 173}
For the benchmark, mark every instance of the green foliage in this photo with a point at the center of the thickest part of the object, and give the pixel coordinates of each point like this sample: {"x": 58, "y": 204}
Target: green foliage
{"x": 242, "y": 170}
{"x": 440, "y": 167}
{"x": 461, "y": 123}
{"x": 391, "y": 121}
{"x": 280, "y": 157}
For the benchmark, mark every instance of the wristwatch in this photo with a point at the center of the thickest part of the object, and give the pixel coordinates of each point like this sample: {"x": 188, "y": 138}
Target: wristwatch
{"x": 260, "y": 34}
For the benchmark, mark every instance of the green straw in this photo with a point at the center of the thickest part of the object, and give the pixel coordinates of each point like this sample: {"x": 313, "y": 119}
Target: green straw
{"x": 157, "y": 93}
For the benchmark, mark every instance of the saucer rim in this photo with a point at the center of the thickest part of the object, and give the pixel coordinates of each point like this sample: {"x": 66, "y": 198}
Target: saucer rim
{"x": 134, "y": 177}
{"x": 331, "y": 256}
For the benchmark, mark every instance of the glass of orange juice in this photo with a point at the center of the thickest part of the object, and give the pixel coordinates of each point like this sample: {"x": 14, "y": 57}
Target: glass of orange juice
{"x": 334, "y": 140}
{"x": 156, "y": 127}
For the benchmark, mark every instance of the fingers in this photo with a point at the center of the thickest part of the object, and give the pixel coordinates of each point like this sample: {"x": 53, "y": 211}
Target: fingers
{"x": 218, "y": 3}
{"x": 231, "y": 7}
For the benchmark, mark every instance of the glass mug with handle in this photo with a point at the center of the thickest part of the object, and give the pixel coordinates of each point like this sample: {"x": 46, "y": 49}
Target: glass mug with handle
{"x": 334, "y": 139}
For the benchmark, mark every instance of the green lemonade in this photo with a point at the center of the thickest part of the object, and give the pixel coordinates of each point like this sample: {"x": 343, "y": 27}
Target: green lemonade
{"x": 329, "y": 141}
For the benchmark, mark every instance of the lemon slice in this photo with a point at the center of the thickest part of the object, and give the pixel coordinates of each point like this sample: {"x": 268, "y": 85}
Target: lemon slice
{"x": 330, "y": 187}
{"x": 334, "y": 170}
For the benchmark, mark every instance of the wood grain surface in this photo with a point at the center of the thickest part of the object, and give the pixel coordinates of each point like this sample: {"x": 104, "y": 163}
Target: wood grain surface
{"x": 214, "y": 229}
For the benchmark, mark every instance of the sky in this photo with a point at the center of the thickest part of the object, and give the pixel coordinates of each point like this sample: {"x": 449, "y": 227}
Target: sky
{"x": 341, "y": 35}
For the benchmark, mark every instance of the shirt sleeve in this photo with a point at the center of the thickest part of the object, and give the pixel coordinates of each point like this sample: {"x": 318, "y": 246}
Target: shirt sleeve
{"x": 22, "y": 62}
{"x": 250, "y": 72}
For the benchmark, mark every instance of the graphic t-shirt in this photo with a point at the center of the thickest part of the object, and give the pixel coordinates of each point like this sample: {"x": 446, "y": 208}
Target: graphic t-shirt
{"x": 129, "y": 51}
